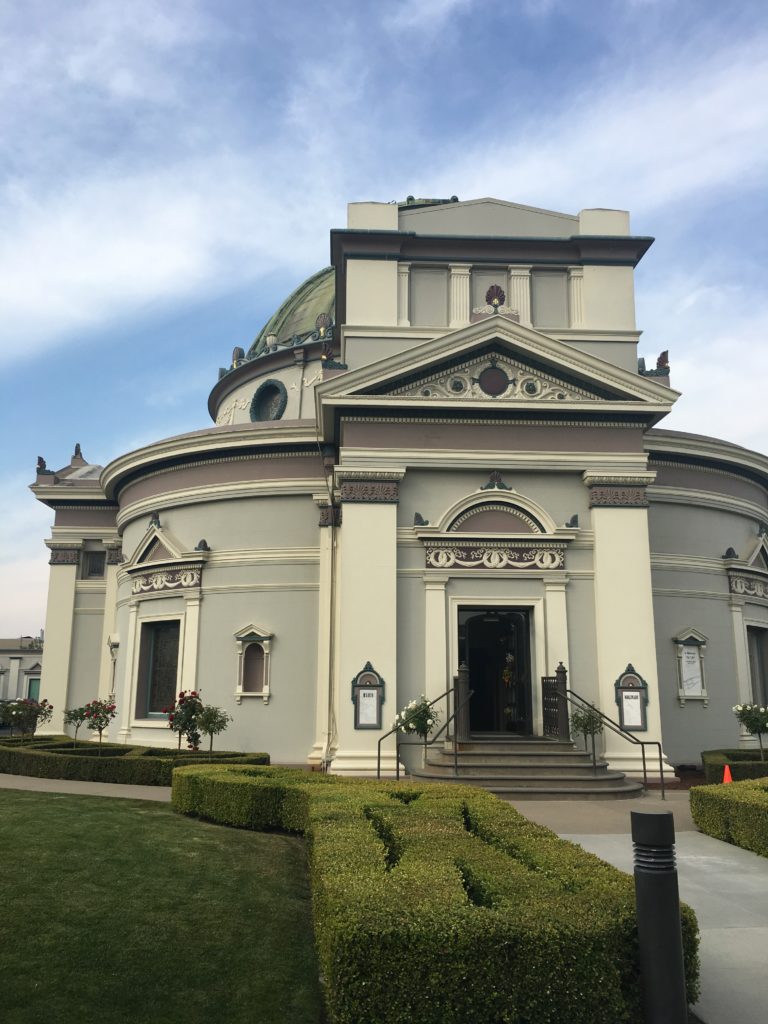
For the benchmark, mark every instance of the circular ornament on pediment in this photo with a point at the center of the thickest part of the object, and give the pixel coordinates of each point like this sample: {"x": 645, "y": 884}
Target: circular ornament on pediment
{"x": 269, "y": 402}
{"x": 493, "y": 381}
{"x": 531, "y": 387}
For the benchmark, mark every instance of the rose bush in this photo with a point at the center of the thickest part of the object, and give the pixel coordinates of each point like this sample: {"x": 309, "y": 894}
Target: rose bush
{"x": 183, "y": 717}
{"x": 755, "y": 720}
{"x": 98, "y": 715}
{"x": 416, "y": 717}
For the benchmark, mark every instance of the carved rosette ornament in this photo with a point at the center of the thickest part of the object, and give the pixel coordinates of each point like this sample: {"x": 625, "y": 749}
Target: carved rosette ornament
{"x": 167, "y": 579}
{"x": 495, "y": 556}
{"x": 371, "y": 491}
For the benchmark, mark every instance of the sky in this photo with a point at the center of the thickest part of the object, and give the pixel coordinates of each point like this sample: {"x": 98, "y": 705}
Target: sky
{"x": 170, "y": 171}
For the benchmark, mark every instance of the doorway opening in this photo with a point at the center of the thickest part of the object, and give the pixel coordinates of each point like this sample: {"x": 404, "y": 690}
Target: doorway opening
{"x": 495, "y": 644}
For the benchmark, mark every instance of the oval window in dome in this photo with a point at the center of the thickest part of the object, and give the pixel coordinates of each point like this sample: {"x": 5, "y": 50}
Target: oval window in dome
{"x": 269, "y": 402}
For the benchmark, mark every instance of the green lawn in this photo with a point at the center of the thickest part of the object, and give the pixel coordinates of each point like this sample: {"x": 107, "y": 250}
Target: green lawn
{"x": 120, "y": 910}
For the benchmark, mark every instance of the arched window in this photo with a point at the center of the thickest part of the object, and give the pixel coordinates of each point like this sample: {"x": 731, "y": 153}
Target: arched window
{"x": 254, "y": 646}
{"x": 253, "y": 669}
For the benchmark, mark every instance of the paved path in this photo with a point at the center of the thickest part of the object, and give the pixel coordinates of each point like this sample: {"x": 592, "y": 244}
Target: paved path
{"x": 726, "y": 886}
{"x": 162, "y": 793}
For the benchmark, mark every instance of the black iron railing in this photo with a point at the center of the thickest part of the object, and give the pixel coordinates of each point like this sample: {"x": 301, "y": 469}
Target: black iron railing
{"x": 556, "y": 696}
{"x": 456, "y": 699}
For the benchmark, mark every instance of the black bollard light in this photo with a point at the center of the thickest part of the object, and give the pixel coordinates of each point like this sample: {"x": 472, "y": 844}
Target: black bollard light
{"x": 659, "y": 932}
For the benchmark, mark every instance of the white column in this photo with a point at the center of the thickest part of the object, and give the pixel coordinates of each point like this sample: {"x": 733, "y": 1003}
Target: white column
{"x": 519, "y": 288}
{"x": 575, "y": 296}
{"x": 14, "y": 665}
{"x": 323, "y": 711}
{"x": 403, "y": 294}
{"x": 191, "y": 634}
{"x": 743, "y": 673}
{"x": 624, "y": 609}
{"x": 459, "y": 294}
{"x": 436, "y": 680}
{"x": 126, "y": 703}
{"x": 557, "y": 625}
{"x": 106, "y": 660}
{"x": 366, "y": 628}
{"x": 59, "y": 622}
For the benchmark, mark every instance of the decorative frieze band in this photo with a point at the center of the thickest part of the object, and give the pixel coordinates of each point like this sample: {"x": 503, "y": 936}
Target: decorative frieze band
{"x": 617, "y": 496}
{"x": 64, "y": 556}
{"x": 167, "y": 579}
{"x": 747, "y": 586}
{"x": 373, "y": 491}
{"x": 114, "y": 556}
{"x": 495, "y": 556}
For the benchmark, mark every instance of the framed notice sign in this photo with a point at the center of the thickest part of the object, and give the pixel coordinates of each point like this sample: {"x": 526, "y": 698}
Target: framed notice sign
{"x": 691, "y": 647}
{"x": 632, "y": 698}
{"x": 368, "y": 697}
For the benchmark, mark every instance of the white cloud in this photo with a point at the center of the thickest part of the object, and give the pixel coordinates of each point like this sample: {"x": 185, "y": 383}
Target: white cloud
{"x": 424, "y": 14}
{"x": 23, "y": 557}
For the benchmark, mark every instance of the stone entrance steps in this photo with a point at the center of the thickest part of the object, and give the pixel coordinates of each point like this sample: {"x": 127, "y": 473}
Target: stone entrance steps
{"x": 527, "y": 767}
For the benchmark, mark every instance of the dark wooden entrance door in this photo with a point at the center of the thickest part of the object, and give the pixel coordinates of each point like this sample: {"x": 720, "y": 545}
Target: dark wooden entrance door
{"x": 495, "y": 644}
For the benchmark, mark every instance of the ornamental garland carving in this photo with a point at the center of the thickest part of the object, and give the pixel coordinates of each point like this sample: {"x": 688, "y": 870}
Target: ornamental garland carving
{"x": 374, "y": 491}
{"x": 486, "y": 556}
{"x": 64, "y": 556}
{"x": 168, "y": 579}
{"x": 516, "y": 382}
{"x": 748, "y": 586}
{"x": 617, "y": 497}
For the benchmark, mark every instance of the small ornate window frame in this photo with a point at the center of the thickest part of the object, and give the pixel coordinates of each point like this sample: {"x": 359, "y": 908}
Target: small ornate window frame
{"x": 691, "y": 647}
{"x": 245, "y": 638}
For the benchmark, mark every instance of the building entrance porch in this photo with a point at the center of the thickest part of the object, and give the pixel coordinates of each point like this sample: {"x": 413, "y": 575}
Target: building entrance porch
{"x": 495, "y": 644}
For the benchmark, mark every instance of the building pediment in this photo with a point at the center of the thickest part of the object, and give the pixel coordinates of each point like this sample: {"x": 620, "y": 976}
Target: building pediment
{"x": 492, "y": 365}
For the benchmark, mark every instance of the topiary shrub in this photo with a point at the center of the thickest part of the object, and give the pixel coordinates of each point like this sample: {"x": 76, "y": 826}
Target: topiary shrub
{"x": 50, "y": 758}
{"x": 744, "y": 764}
{"x": 442, "y": 904}
{"x": 737, "y": 813}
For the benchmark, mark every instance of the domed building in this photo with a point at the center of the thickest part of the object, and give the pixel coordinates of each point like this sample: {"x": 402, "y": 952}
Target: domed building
{"x": 442, "y": 449}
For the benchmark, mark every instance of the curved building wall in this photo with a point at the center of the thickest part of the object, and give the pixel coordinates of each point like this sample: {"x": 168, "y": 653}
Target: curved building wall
{"x": 696, "y": 516}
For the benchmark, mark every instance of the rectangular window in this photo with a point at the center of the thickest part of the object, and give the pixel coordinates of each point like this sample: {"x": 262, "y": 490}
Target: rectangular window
{"x": 549, "y": 298}
{"x": 757, "y": 642}
{"x": 158, "y": 667}
{"x": 93, "y": 564}
{"x": 33, "y": 688}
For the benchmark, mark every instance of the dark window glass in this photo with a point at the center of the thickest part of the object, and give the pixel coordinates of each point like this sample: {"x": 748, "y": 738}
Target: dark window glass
{"x": 158, "y": 665}
{"x": 757, "y": 641}
{"x": 93, "y": 564}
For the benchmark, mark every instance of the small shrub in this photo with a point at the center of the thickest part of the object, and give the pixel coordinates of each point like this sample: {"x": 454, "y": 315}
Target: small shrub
{"x": 755, "y": 720}
{"x": 737, "y": 813}
{"x": 744, "y": 764}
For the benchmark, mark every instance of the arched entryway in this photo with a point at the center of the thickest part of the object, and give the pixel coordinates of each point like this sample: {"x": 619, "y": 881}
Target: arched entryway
{"x": 495, "y": 643}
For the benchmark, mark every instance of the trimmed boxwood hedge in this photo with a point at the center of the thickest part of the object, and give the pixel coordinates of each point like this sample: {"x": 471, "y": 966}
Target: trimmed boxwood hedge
{"x": 54, "y": 757}
{"x": 442, "y": 904}
{"x": 737, "y": 813}
{"x": 745, "y": 764}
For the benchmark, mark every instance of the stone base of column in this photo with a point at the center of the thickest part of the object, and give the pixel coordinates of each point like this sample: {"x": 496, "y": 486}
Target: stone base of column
{"x": 315, "y": 755}
{"x": 363, "y": 763}
{"x": 630, "y": 761}
{"x": 124, "y": 735}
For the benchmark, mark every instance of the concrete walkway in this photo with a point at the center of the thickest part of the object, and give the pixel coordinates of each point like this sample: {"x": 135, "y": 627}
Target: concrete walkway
{"x": 162, "y": 793}
{"x": 726, "y": 886}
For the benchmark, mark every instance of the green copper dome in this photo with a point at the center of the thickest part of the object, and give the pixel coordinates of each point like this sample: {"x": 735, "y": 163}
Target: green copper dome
{"x": 296, "y": 316}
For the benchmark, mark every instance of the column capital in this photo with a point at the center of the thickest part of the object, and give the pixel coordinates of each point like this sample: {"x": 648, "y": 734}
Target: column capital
{"x": 618, "y": 490}
{"x": 460, "y": 269}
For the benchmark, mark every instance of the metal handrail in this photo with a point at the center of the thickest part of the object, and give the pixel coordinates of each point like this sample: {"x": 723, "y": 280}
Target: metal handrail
{"x": 581, "y": 702}
{"x": 426, "y": 743}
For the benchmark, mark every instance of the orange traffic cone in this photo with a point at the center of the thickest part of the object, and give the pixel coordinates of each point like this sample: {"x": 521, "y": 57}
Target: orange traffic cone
{"x": 727, "y": 774}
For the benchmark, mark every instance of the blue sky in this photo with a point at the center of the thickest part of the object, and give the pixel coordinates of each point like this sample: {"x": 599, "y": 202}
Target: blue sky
{"x": 170, "y": 170}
